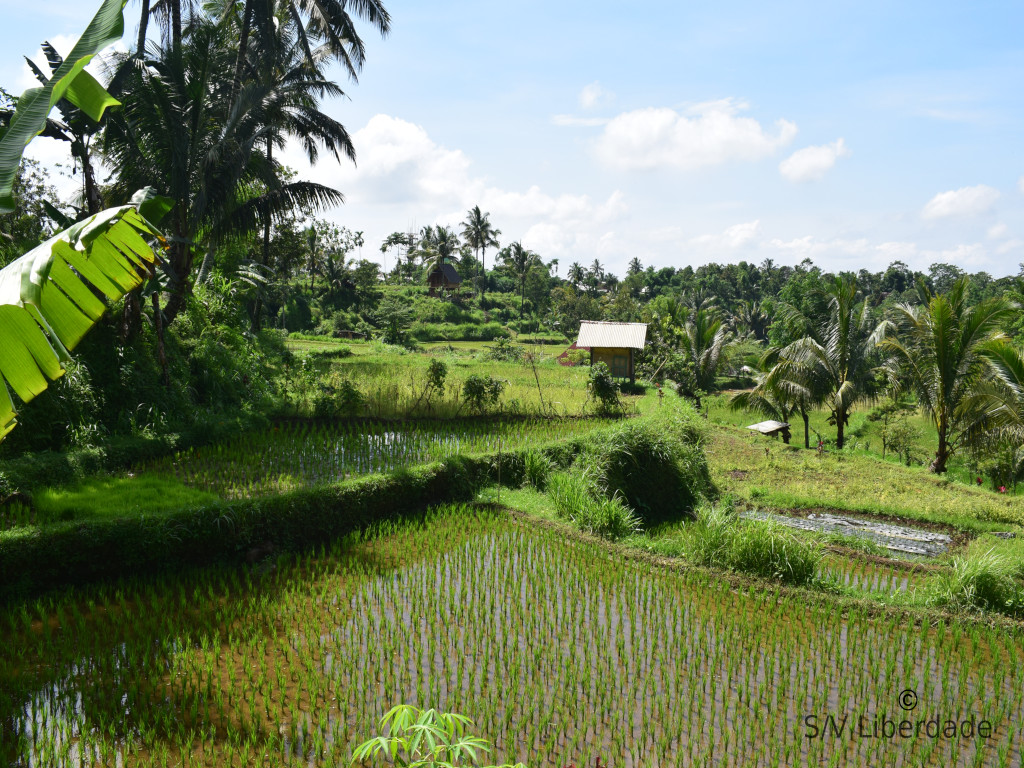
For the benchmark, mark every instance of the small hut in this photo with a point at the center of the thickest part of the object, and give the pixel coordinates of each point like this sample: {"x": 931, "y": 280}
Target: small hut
{"x": 443, "y": 277}
{"x": 613, "y": 344}
{"x": 772, "y": 429}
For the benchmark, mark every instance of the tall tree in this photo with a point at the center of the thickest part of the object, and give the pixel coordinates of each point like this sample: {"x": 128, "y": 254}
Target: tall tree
{"x": 178, "y": 132}
{"x": 837, "y": 355}
{"x": 480, "y": 234}
{"x": 940, "y": 355}
{"x": 520, "y": 261}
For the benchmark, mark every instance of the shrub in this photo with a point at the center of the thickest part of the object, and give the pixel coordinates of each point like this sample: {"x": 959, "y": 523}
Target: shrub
{"x": 604, "y": 390}
{"x": 505, "y": 351}
{"x": 481, "y": 392}
{"x": 657, "y": 465}
{"x": 762, "y": 548}
{"x": 983, "y": 580}
{"x": 578, "y": 499}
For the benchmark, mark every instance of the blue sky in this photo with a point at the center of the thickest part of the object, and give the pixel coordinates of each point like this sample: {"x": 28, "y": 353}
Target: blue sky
{"x": 681, "y": 133}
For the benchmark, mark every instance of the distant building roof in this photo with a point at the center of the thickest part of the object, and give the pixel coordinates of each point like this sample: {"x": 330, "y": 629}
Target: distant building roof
{"x": 446, "y": 272}
{"x": 594, "y": 333}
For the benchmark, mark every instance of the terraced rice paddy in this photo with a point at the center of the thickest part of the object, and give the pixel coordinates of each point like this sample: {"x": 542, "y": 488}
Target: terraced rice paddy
{"x": 561, "y": 651}
{"x": 300, "y": 453}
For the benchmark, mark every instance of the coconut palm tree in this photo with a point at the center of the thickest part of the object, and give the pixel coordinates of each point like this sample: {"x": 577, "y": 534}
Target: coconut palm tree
{"x": 317, "y": 22}
{"x": 480, "y": 235}
{"x": 704, "y": 341}
{"x": 836, "y": 357}
{"x": 576, "y": 274}
{"x": 178, "y": 132}
{"x": 943, "y": 352}
{"x": 520, "y": 261}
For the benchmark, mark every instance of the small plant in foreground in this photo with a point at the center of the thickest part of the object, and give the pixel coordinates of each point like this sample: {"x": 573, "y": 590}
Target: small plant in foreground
{"x": 480, "y": 392}
{"x": 425, "y": 738}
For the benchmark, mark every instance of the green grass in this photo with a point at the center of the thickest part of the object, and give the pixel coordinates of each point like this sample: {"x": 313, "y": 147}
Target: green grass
{"x": 791, "y": 477}
{"x": 108, "y": 497}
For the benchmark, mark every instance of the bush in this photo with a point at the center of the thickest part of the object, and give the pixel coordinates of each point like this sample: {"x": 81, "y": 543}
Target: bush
{"x": 604, "y": 390}
{"x": 578, "y": 499}
{"x": 481, "y": 392}
{"x": 762, "y": 548}
{"x": 981, "y": 581}
{"x": 657, "y": 465}
{"x": 505, "y": 351}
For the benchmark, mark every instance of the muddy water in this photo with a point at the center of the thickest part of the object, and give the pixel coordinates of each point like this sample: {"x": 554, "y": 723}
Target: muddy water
{"x": 897, "y": 538}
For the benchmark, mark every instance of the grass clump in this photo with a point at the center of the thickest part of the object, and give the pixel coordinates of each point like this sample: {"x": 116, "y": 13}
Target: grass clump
{"x": 577, "y": 498}
{"x": 657, "y": 465}
{"x": 985, "y": 580}
{"x": 536, "y": 469}
{"x": 717, "y": 538}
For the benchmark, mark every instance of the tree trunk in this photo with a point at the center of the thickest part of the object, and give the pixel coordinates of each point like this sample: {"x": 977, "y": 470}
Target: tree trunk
{"x": 158, "y": 324}
{"x": 93, "y": 202}
{"x": 840, "y": 426}
{"x": 807, "y": 427}
{"x": 257, "y": 320}
{"x": 243, "y": 45}
{"x": 140, "y": 47}
{"x": 942, "y": 454}
{"x": 176, "y": 26}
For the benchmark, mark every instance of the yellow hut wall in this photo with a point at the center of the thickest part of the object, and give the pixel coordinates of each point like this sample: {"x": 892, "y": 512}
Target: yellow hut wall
{"x": 607, "y": 356}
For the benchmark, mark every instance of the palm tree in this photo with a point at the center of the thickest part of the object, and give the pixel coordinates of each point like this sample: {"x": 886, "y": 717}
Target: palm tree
{"x": 635, "y": 267}
{"x": 291, "y": 90}
{"x": 836, "y": 356}
{"x": 317, "y": 22}
{"x": 520, "y": 260}
{"x": 480, "y": 235}
{"x": 944, "y": 351}
{"x": 705, "y": 341}
{"x": 178, "y": 132}
{"x": 576, "y": 274}
{"x": 438, "y": 245}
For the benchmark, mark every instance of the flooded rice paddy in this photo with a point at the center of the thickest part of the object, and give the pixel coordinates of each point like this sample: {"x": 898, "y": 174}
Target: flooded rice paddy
{"x": 295, "y": 454}
{"x": 561, "y": 652}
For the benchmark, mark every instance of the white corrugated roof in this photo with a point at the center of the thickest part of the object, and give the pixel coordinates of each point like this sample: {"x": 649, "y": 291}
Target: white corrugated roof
{"x": 594, "y": 333}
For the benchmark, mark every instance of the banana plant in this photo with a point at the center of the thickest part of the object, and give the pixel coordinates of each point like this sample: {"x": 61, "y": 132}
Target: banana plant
{"x": 51, "y": 296}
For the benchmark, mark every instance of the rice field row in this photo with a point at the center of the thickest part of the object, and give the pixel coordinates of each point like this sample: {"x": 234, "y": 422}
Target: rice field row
{"x": 560, "y": 651}
{"x": 294, "y": 454}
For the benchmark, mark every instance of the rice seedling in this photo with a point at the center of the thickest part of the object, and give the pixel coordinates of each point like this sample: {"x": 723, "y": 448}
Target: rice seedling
{"x": 561, "y": 652}
{"x": 295, "y": 454}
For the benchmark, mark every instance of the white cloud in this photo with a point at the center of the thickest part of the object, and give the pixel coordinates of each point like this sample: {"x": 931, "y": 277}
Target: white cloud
{"x": 996, "y": 231}
{"x": 594, "y": 95}
{"x": 861, "y": 253}
{"x": 401, "y": 168}
{"x": 573, "y": 121}
{"x": 733, "y": 237}
{"x": 966, "y": 201}
{"x": 1009, "y": 247}
{"x": 708, "y": 134}
{"x": 811, "y": 163}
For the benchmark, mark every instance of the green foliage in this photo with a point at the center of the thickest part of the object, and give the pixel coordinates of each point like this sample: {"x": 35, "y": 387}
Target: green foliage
{"x": 505, "y": 351}
{"x": 424, "y": 738}
{"x": 604, "y": 390}
{"x": 762, "y": 548}
{"x": 656, "y": 465}
{"x": 578, "y": 499}
{"x": 393, "y": 316}
{"x": 984, "y": 580}
{"x": 536, "y": 469}
{"x": 482, "y": 392}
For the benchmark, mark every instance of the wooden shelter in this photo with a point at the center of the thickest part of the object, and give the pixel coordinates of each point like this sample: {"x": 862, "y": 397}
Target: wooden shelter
{"x": 443, "y": 277}
{"x": 613, "y": 344}
{"x": 772, "y": 429}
